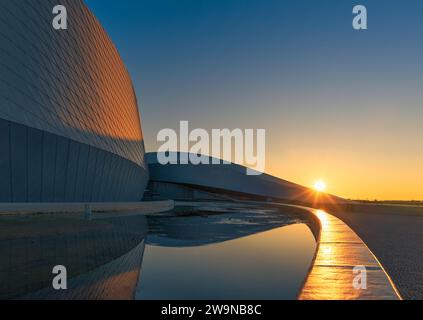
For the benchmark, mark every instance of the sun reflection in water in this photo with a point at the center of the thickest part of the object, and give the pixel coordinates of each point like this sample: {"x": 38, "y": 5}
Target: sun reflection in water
{"x": 324, "y": 220}
{"x": 327, "y": 250}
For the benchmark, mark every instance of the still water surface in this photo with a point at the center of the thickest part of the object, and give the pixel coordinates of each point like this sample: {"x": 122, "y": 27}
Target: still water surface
{"x": 197, "y": 251}
{"x": 245, "y": 253}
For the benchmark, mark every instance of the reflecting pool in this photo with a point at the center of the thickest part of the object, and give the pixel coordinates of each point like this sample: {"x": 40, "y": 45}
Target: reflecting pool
{"x": 226, "y": 252}
{"x": 197, "y": 251}
{"x": 102, "y": 255}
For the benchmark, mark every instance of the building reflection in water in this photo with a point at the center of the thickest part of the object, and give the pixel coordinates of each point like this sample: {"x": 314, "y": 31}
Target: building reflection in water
{"x": 102, "y": 256}
{"x": 243, "y": 252}
{"x": 196, "y": 251}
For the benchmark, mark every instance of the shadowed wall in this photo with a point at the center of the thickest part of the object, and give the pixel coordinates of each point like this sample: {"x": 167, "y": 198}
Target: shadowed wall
{"x": 69, "y": 121}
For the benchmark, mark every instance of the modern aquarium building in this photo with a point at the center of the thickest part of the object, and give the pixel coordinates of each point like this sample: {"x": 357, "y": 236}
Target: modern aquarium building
{"x": 70, "y": 128}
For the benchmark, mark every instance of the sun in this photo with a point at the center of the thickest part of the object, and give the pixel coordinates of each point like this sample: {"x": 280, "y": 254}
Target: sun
{"x": 320, "y": 186}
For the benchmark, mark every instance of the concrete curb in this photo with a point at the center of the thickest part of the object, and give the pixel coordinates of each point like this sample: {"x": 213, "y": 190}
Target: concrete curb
{"x": 340, "y": 250}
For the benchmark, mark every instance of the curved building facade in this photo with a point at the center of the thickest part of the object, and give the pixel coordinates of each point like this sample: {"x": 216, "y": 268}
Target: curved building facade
{"x": 183, "y": 182}
{"x": 70, "y": 129}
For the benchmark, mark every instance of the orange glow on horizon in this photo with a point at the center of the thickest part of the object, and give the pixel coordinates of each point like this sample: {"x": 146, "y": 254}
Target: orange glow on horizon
{"x": 360, "y": 178}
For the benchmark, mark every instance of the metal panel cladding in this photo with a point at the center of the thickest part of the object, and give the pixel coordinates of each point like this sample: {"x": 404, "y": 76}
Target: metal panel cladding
{"x": 67, "y": 107}
{"x": 68, "y": 82}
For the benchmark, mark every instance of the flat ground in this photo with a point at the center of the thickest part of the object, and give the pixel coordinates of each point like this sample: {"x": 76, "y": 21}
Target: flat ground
{"x": 396, "y": 238}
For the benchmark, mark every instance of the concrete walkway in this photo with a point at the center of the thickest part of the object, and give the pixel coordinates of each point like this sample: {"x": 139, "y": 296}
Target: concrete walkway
{"x": 396, "y": 238}
{"x": 98, "y": 209}
{"x": 332, "y": 275}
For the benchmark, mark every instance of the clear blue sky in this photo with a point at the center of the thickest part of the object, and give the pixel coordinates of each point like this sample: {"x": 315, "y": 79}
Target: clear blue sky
{"x": 339, "y": 105}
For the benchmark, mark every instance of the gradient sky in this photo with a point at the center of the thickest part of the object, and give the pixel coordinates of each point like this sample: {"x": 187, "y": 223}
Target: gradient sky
{"x": 340, "y": 105}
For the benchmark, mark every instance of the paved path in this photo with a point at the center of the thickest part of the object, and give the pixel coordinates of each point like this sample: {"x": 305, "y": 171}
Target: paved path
{"x": 340, "y": 250}
{"x": 143, "y": 207}
{"x": 396, "y": 238}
